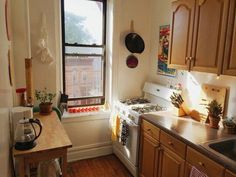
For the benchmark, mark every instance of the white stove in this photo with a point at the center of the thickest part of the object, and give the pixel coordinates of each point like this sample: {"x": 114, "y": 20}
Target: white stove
{"x": 156, "y": 98}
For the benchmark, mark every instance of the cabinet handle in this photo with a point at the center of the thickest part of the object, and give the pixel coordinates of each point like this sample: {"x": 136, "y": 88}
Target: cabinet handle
{"x": 149, "y": 130}
{"x": 170, "y": 143}
{"x": 191, "y": 58}
{"x": 187, "y": 58}
{"x": 201, "y": 164}
{"x": 160, "y": 149}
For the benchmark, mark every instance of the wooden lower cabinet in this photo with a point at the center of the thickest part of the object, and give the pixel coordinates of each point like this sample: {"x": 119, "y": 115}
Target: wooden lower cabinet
{"x": 149, "y": 155}
{"x": 229, "y": 174}
{"x": 203, "y": 164}
{"x": 171, "y": 165}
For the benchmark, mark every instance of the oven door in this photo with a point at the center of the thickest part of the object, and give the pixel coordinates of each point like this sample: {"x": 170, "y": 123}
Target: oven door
{"x": 130, "y": 150}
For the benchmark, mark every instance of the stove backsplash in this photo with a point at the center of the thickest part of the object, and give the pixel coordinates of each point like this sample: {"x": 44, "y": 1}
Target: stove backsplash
{"x": 191, "y": 86}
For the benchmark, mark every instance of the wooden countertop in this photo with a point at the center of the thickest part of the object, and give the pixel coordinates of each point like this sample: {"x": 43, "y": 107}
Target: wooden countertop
{"x": 53, "y": 136}
{"x": 192, "y": 133}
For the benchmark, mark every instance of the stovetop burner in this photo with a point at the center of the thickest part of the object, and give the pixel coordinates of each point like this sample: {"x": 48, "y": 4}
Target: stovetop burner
{"x": 147, "y": 108}
{"x": 134, "y": 101}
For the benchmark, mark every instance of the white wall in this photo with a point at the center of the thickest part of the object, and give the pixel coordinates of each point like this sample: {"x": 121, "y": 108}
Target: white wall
{"x": 44, "y": 75}
{"x": 130, "y": 81}
{"x": 161, "y": 16}
{"x": 5, "y": 97}
{"x": 90, "y": 136}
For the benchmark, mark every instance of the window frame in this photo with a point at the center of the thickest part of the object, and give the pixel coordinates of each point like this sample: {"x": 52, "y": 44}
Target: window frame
{"x": 103, "y": 56}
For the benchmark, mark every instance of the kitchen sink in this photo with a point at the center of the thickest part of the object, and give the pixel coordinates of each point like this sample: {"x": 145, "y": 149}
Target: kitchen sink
{"x": 223, "y": 148}
{"x": 226, "y": 148}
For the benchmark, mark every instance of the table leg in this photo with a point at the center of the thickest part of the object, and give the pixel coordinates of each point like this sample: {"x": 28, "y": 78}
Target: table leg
{"x": 21, "y": 167}
{"x": 64, "y": 164}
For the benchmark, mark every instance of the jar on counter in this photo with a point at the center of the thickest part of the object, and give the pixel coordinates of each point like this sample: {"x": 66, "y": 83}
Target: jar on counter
{"x": 21, "y": 97}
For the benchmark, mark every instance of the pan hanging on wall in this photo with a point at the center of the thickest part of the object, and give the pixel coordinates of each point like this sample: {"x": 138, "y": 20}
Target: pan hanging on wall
{"x": 132, "y": 61}
{"x": 134, "y": 42}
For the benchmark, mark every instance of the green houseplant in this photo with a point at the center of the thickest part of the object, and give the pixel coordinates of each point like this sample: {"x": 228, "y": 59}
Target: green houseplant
{"x": 230, "y": 125}
{"x": 215, "y": 111}
{"x": 45, "y": 98}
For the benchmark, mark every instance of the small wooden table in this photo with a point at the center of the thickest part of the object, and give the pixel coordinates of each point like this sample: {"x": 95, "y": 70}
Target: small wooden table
{"x": 52, "y": 143}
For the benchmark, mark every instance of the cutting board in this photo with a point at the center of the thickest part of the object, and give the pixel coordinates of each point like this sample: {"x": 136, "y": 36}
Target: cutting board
{"x": 209, "y": 93}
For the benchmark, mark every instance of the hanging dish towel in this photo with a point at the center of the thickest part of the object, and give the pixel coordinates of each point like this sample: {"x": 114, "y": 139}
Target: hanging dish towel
{"x": 196, "y": 173}
{"x": 124, "y": 133}
{"x": 115, "y": 127}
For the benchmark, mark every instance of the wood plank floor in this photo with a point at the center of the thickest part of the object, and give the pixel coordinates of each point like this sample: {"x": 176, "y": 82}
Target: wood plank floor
{"x": 106, "y": 166}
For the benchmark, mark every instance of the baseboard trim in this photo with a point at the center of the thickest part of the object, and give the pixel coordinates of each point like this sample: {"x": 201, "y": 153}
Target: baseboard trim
{"x": 89, "y": 151}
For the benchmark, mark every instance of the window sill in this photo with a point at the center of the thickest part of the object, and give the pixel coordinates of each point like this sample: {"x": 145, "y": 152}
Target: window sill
{"x": 85, "y": 116}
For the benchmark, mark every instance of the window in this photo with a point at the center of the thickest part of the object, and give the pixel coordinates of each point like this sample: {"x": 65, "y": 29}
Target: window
{"x": 83, "y": 38}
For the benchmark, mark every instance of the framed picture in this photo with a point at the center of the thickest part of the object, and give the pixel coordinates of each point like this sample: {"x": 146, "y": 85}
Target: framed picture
{"x": 162, "y": 67}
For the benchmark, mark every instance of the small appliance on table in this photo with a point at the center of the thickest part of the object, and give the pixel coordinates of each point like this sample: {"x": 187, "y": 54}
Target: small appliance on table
{"x": 156, "y": 98}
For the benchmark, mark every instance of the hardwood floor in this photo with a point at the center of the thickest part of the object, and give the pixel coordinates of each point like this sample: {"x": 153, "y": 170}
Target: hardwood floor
{"x": 106, "y": 166}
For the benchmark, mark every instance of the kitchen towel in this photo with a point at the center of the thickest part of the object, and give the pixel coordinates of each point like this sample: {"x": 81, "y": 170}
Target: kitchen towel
{"x": 115, "y": 127}
{"x": 124, "y": 133}
{"x": 196, "y": 173}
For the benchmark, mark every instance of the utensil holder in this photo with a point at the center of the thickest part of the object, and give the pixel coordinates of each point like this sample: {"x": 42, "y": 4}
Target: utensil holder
{"x": 178, "y": 112}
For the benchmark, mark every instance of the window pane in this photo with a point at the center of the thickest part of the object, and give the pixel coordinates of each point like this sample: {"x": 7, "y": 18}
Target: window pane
{"x": 83, "y": 22}
{"x": 84, "y": 50}
{"x": 84, "y": 76}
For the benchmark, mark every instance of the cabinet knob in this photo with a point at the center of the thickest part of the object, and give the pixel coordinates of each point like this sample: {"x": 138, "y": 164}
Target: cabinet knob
{"x": 170, "y": 143}
{"x": 201, "y": 164}
{"x": 187, "y": 58}
{"x": 191, "y": 58}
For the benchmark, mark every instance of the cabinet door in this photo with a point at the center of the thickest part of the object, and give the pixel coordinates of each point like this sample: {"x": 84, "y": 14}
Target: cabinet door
{"x": 149, "y": 155}
{"x": 229, "y": 67}
{"x": 181, "y": 33}
{"x": 171, "y": 165}
{"x": 229, "y": 174}
{"x": 209, "y": 35}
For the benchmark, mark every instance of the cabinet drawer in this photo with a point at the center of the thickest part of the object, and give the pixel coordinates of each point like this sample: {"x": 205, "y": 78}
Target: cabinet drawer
{"x": 151, "y": 130}
{"x": 229, "y": 174}
{"x": 204, "y": 164}
{"x": 172, "y": 143}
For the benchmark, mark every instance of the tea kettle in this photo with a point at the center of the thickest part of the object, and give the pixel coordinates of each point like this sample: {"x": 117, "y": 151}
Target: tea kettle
{"x": 25, "y": 134}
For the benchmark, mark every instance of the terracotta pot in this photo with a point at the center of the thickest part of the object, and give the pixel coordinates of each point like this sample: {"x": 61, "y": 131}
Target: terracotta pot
{"x": 214, "y": 122}
{"x": 45, "y": 108}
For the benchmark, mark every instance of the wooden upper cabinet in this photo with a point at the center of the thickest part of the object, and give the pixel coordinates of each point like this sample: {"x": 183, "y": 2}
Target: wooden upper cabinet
{"x": 209, "y": 35}
{"x": 229, "y": 67}
{"x": 198, "y": 35}
{"x": 181, "y": 33}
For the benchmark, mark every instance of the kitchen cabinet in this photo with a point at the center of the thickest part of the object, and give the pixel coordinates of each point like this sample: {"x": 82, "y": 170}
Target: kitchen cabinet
{"x": 202, "y": 163}
{"x": 160, "y": 152}
{"x": 149, "y": 150}
{"x": 198, "y": 35}
{"x": 149, "y": 157}
{"x": 229, "y": 174}
{"x": 181, "y": 33}
{"x": 229, "y": 65}
{"x": 171, "y": 165}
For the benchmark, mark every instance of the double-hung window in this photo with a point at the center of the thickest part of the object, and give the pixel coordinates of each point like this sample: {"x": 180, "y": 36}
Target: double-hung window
{"x": 83, "y": 45}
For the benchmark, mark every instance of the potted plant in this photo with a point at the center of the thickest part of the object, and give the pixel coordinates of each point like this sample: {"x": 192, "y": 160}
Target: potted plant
{"x": 230, "y": 125}
{"x": 45, "y": 99}
{"x": 215, "y": 111}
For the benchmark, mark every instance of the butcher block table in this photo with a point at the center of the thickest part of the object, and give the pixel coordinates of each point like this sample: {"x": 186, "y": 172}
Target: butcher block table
{"x": 52, "y": 143}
